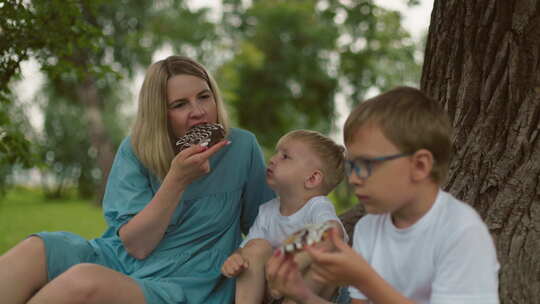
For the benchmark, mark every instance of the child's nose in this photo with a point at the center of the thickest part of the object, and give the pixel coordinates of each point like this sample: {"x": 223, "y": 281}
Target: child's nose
{"x": 354, "y": 179}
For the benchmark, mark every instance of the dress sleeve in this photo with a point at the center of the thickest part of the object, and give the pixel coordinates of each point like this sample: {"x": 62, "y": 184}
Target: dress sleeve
{"x": 128, "y": 188}
{"x": 256, "y": 191}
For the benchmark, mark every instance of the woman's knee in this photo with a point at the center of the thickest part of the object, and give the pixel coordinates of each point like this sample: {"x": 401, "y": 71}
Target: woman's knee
{"x": 81, "y": 282}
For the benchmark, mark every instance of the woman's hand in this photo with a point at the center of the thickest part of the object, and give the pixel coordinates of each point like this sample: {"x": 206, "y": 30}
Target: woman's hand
{"x": 193, "y": 163}
{"x": 145, "y": 230}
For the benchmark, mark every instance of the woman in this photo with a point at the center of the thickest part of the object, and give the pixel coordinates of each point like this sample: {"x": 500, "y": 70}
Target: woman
{"x": 172, "y": 219}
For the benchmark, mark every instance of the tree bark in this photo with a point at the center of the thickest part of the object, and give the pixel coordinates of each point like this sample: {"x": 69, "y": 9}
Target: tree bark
{"x": 482, "y": 62}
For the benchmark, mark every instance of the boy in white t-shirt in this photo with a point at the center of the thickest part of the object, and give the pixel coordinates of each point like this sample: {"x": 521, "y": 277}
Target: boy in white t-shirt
{"x": 417, "y": 244}
{"x": 306, "y": 167}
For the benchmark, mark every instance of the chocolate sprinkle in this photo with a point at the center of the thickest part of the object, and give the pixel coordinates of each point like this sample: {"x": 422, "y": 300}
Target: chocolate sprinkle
{"x": 203, "y": 134}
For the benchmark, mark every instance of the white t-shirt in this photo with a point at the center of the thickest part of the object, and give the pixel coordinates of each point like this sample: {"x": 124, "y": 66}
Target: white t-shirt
{"x": 448, "y": 256}
{"x": 275, "y": 228}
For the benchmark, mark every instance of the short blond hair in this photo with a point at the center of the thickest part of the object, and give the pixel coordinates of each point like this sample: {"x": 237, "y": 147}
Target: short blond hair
{"x": 411, "y": 121}
{"x": 151, "y": 135}
{"x": 331, "y": 155}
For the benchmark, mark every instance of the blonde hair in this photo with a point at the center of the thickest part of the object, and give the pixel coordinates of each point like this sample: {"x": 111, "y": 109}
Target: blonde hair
{"x": 411, "y": 121}
{"x": 151, "y": 136}
{"x": 331, "y": 155}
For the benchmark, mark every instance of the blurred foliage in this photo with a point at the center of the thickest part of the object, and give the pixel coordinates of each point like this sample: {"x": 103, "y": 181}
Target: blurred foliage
{"x": 280, "y": 65}
{"x": 15, "y": 151}
{"x": 81, "y": 46}
{"x": 42, "y": 30}
{"x": 279, "y": 75}
{"x": 64, "y": 148}
{"x": 132, "y": 30}
{"x": 290, "y": 58}
{"x": 343, "y": 197}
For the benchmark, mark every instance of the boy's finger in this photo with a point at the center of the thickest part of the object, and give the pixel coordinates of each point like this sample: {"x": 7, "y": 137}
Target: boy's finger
{"x": 240, "y": 259}
{"x": 238, "y": 265}
{"x": 336, "y": 239}
{"x": 240, "y": 262}
{"x": 316, "y": 276}
{"x": 282, "y": 271}
{"x": 316, "y": 253}
{"x": 273, "y": 264}
{"x": 290, "y": 270}
{"x": 226, "y": 271}
{"x": 321, "y": 274}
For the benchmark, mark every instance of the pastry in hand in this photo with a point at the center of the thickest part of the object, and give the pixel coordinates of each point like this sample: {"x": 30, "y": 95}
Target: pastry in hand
{"x": 309, "y": 235}
{"x": 206, "y": 134}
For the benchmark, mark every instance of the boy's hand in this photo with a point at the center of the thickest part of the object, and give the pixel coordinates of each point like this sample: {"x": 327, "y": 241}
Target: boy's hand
{"x": 234, "y": 265}
{"x": 283, "y": 276}
{"x": 341, "y": 266}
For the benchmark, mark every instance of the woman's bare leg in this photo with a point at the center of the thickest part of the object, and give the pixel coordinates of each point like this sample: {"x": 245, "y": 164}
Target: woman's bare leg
{"x": 251, "y": 283}
{"x": 23, "y": 271}
{"x": 90, "y": 284}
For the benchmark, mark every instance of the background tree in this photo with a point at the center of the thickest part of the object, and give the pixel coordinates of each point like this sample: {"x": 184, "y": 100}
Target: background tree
{"x": 282, "y": 64}
{"x": 290, "y": 59}
{"x": 15, "y": 152}
{"x": 483, "y": 64}
{"x": 18, "y": 37}
{"x": 132, "y": 30}
{"x": 87, "y": 52}
{"x": 69, "y": 160}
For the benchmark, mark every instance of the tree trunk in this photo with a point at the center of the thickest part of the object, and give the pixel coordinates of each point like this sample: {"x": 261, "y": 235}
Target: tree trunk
{"x": 100, "y": 140}
{"x": 482, "y": 62}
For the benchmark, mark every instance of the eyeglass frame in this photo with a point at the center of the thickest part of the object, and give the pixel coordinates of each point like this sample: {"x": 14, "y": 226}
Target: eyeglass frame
{"x": 350, "y": 165}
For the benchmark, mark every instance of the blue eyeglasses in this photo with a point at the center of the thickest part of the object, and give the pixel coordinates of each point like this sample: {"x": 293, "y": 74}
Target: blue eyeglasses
{"x": 363, "y": 167}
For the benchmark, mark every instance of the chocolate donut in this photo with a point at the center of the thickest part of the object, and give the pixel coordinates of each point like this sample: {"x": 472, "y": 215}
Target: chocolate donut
{"x": 204, "y": 134}
{"x": 307, "y": 236}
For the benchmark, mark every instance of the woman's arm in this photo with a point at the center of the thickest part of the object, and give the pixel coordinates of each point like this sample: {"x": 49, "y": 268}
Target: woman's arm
{"x": 144, "y": 231}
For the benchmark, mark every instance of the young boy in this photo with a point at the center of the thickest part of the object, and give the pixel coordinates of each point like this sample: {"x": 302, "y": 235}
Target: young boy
{"x": 305, "y": 168}
{"x": 417, "y": 244}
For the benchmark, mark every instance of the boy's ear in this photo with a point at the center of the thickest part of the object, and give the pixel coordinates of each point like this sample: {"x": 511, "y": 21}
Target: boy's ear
{"x": 422, "y": 164}
{"x": 314, "y": 180}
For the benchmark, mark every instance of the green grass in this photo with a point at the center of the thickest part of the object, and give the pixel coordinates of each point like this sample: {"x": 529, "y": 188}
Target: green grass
{"x": 25, "y": 211}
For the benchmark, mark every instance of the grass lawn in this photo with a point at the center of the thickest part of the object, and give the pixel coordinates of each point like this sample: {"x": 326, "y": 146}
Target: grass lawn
{"x": 24, "y": 211}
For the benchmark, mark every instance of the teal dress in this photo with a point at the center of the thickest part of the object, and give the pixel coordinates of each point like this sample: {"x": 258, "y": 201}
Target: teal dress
{"x": 205, "y": 229}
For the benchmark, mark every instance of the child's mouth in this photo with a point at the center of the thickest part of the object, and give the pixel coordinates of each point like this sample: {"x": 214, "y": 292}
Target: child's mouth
{"x": 362, "y": 197}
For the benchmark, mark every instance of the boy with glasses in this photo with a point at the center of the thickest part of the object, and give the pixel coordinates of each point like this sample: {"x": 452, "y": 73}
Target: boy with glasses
{"x": 417, "y": 244}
